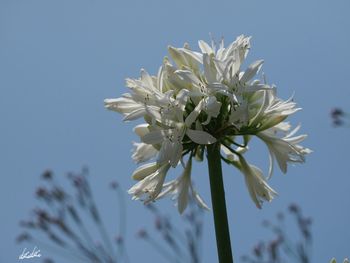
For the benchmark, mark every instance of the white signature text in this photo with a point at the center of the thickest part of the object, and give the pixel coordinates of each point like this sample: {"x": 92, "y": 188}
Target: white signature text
{"x": 35, "y": 253}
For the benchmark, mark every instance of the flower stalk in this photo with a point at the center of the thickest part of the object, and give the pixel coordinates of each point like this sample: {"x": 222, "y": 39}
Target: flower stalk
{"x": 219, "y": 204}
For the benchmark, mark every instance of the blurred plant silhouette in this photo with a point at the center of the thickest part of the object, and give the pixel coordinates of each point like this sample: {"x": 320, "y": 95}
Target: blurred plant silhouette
{"x": 339, "y": 117}
{"x": 64, "y": 226}
{"x": 179, "y": 245}
{"x": 281, "y": 248}
{"x": 333, "y": 260}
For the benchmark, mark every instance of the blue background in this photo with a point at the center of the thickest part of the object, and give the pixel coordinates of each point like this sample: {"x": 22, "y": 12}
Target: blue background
{"x": 60, "y": 58}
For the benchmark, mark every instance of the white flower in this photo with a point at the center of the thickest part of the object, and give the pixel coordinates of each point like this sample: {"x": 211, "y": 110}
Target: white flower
{"x": 145, "y": 170}
{"x": 239, "y": 115}
{"x": 171, "y": 138}
{"x": 181, "y": 187}
{"x": 151, "y": 182}
{"x": 209, "y": 105}
{"x": 257, "y": 186}
{"x": 284, "y": 149}
{"x": 199, "y": 98}
{"x": 271, "y": 110}
{"x": 143, "y": 152}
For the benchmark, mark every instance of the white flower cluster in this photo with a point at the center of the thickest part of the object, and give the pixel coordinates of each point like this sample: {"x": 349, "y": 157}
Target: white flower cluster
{"x": 201, "y": 98}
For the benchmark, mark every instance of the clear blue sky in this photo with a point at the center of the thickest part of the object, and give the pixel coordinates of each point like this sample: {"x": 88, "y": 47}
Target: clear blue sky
{"x": 60, "y": 58}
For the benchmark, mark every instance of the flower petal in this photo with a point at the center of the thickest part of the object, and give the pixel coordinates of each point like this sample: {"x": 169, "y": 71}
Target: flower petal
{"x": 154, "y": 137}
{"x": 200, "y": 137}
{"x": 144, "y": 170}
{"x": 205, "y": 48}
{"x": 199, "y": 200}
{"x": 191, "y": 118}
{"x": 138, "y": 113}
{"x": 141, "y": 129}
{"x": 251, "y": 71}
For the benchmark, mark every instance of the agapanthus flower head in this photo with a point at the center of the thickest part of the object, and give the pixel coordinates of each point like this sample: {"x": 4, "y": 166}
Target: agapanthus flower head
{"x": 200, "y": 98}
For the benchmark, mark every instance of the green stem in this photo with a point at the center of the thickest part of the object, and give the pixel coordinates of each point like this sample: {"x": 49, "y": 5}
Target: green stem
{"x": 219, "y": 204}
